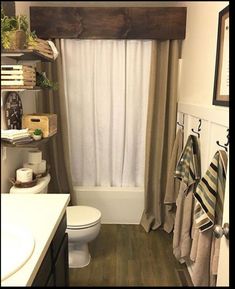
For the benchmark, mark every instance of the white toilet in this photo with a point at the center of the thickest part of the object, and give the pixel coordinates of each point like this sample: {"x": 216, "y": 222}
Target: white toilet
{"x": 83, "y": 225}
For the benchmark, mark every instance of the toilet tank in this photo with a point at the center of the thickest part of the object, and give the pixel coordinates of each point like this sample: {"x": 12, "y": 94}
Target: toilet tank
{"x": 40, "y": 188}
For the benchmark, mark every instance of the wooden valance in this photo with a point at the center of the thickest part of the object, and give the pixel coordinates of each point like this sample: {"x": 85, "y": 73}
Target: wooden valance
{"x": 109, "y": 22}
{"x": 8, "y": 7}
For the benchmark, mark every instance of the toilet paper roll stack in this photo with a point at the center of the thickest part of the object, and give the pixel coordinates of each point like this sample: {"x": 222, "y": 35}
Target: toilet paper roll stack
{"x": 35, "y": 162}
{"x": 34, "y": 157}
{"x": 24, "y": 175}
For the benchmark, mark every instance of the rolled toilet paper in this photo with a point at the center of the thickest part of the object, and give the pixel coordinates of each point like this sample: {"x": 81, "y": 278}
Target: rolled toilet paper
{"x": 34, "y": 167}
{"x": 24, "y": 175}
{"x": 42, "y": 167}
{"x": 35, "y": 157}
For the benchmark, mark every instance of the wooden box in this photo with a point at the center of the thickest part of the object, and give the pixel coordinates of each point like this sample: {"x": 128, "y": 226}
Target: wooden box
{"x": 43, "y": 47}
{"x": 44, "y": 121}
{"x": 18, "y": 76}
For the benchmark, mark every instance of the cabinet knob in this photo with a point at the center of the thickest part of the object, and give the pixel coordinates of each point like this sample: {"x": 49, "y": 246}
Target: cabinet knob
{"x": 219, "y": 231}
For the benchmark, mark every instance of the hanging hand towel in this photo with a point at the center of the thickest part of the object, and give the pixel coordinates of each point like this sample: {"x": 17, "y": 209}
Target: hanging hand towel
{"x": 188, "y": 167}
{"x": 210, "y": 193}
{"x": 208, "y": 211}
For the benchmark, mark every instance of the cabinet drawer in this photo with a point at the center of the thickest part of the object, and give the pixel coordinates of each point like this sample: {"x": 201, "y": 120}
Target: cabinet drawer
{"x": 58, "y": 238}
{"x": 44, "y": 271}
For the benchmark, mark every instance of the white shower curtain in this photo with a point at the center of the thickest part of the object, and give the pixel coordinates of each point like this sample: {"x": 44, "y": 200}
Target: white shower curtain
{"x": 106, "y": 89}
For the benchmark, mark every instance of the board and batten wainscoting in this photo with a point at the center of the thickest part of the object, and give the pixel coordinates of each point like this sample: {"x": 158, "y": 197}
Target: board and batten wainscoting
{"x": 214, "y": 125}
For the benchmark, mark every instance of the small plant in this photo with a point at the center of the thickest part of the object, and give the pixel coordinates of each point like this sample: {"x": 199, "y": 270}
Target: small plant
{"x": 37, "y": 134}
{"x": 44, "y": 82}
{"x": 31, "y": 37}
{"x": 10, "y": 25}
{"x": 37, "y": 131}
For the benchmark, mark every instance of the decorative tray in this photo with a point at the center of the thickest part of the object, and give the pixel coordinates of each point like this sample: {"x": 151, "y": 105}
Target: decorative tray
{"x": 24, "y": 185}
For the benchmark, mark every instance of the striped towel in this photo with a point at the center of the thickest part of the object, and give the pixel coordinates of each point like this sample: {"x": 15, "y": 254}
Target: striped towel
{"x": 188, "y": 166}
{"x": 210, "y": 193}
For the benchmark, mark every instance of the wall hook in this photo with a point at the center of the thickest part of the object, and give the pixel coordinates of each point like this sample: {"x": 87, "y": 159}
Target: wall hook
{"x": 222, "y": 146}
{"x": 180, "y": 124}
{"x": 226, "y": 144}
{"x": 198, "y": 129}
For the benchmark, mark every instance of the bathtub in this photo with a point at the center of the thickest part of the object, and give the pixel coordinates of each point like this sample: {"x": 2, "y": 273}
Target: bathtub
{"x": 118, "y": 205}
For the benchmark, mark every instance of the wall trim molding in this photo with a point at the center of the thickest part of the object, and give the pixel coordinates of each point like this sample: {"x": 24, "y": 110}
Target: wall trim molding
{"x": 214, "y": 114}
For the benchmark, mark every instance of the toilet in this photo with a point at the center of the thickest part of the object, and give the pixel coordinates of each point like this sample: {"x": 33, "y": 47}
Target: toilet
{"x": 83, "y": 224}
{"x": 40, "y": 188}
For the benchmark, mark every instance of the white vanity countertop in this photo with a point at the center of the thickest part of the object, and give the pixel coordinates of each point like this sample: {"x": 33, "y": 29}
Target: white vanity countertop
{"x": 41, "y": 213}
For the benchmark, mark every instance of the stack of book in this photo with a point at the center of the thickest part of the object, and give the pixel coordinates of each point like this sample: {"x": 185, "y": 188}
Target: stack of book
{"x": 16, "y": 136}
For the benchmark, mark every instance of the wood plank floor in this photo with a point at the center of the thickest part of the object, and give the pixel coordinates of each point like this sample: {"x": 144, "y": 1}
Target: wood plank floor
{"x": 125, "y": 255}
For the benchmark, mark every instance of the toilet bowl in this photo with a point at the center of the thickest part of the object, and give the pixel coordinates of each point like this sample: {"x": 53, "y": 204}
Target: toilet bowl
{"x": 83, "y": 226}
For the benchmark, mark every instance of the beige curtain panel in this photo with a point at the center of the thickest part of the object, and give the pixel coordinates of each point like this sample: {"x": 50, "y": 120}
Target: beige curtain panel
{"x": 161, "y": 128}
{"x": 56, "y": 150}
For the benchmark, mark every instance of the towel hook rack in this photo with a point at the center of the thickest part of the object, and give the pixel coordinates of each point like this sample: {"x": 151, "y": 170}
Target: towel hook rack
{"x": 198, "y": 129}
{"x": 226, "y": 144}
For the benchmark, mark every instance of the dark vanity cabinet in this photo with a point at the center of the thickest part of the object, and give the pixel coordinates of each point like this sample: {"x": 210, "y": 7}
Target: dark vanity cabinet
{"x": 53, "y": 271}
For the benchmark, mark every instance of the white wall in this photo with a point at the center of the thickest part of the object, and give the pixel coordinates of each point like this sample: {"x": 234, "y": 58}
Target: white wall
{"x": 199, "y": 52}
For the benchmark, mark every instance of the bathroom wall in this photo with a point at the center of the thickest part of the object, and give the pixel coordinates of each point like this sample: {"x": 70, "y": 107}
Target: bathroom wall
{"x": 199, "y": 52}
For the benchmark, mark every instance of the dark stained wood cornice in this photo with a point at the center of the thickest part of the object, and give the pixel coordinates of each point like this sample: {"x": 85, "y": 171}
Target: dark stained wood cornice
{"x": 8, "y": 7}
{"x": 109, "y": 22}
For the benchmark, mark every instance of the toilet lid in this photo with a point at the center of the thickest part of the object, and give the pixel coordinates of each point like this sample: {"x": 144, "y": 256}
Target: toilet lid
{"x": 82, "y": 216}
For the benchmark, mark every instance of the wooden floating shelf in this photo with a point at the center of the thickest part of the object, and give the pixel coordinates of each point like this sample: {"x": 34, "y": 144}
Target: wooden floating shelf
{"x": 32, "y": 144}
{"x": 25, "y": 54}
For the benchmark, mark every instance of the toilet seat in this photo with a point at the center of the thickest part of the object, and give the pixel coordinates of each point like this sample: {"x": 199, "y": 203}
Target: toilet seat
{"x": 79, "y": 217}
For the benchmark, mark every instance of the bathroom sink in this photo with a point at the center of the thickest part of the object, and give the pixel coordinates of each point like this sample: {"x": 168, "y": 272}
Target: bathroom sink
{"x": 17, "y": 245}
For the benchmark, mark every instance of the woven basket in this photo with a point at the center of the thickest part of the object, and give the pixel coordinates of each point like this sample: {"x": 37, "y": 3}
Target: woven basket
{"x": 17, "y": 39}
